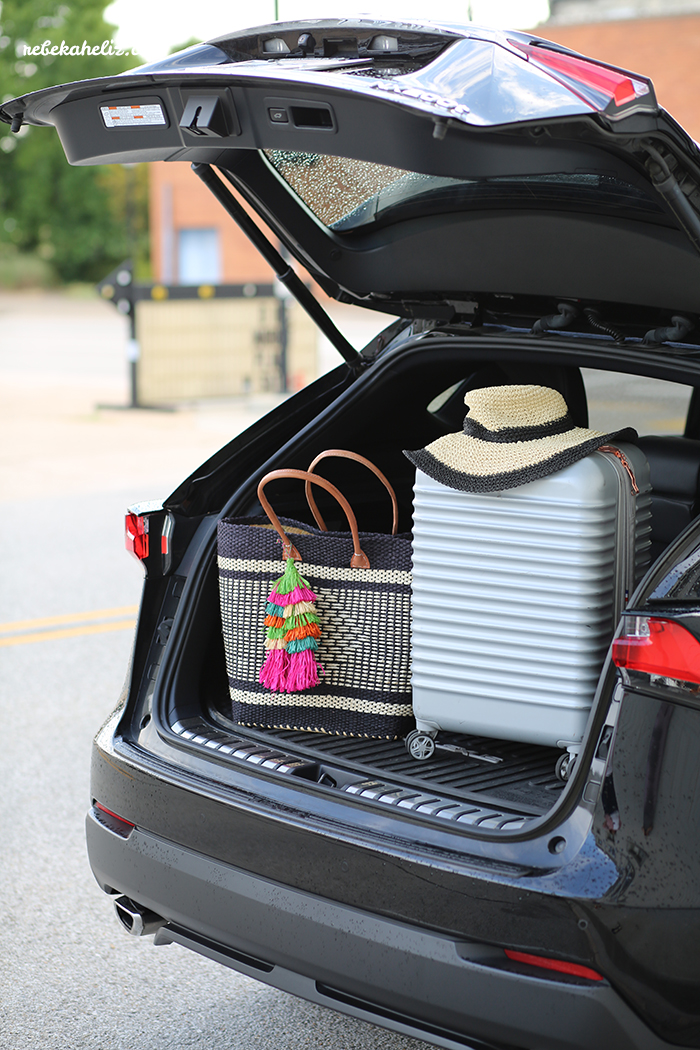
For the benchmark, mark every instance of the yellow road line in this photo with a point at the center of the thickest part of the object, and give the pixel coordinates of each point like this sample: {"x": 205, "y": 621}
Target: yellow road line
{"x": 69, "y": 632}
{"x": 51, "y": 621}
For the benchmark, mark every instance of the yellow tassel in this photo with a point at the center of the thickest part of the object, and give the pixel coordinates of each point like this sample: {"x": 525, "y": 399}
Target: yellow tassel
{"x": 300, "y": 607}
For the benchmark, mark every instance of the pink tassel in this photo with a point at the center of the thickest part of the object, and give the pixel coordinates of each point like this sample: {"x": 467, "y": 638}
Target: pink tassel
{"x": 299, "y": 594}
{"x": 273, "y": 673}
{"x": 302, "y": 672}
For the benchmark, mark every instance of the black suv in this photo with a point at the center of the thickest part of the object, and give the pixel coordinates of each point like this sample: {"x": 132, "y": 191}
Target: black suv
{"x": 519, "y": 213}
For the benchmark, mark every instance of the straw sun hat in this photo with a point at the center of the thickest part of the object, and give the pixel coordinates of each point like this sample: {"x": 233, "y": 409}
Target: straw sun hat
{"x": 512, "y": 435}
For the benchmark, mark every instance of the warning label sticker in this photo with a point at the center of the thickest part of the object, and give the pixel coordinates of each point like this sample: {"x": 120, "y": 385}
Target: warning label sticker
{"x": 132, "y": 116}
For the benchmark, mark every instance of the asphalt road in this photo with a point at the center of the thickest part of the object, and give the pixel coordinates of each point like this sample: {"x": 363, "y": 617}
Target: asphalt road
{"x": 70, "y": 976}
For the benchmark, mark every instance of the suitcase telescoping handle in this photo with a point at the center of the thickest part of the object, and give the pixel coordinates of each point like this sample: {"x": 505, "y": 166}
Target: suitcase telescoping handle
{"x": 344, "y": 453}
{"x": 359, "y": 559}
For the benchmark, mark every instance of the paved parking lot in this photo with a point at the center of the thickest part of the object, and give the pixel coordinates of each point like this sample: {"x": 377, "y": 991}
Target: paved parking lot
{"x": 71, "y": 976}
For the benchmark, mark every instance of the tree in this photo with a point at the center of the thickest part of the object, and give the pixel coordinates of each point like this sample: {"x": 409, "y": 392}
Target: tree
{"x": 82, "y": 220}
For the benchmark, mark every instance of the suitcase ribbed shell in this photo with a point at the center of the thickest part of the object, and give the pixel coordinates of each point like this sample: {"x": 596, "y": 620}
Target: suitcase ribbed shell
{"x": 515, "y": 595}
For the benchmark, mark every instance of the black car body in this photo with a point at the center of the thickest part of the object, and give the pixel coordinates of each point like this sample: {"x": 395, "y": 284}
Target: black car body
{"x": 546, "y": 218}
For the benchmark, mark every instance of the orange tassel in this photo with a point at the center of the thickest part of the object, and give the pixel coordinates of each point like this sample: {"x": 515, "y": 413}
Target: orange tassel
{"x": 274, "y": 621}
{"x": 309, "y": 630}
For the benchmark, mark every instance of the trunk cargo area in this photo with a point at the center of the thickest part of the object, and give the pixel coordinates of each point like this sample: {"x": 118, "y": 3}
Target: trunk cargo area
{"x": 488, "y": 781}
{"x": 511, "y": 784}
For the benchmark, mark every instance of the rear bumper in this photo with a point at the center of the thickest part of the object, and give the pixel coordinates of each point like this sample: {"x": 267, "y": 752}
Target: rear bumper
{"x": 402, "y": 977}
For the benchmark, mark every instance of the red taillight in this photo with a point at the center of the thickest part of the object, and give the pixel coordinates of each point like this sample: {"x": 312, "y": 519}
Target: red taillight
{"x": 597, "y": 84}
{"x": 545, "y": 963}
{"x": 98, "y": 805}
{"x": 136, "y": 535}
{"x": 113, "y": 821}
{"x": 659, "y": 647}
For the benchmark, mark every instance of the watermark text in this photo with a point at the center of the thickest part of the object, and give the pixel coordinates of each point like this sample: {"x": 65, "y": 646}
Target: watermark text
{"x": 107, "y": 47}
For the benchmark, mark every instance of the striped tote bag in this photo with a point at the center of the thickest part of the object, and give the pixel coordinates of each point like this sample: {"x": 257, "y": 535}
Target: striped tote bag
{"x": 316, "y": 624}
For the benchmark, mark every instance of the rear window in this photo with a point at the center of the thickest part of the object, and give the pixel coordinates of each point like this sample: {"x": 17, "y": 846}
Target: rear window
{"x": 346, "y": 194}
{"x": 651, "y": 406}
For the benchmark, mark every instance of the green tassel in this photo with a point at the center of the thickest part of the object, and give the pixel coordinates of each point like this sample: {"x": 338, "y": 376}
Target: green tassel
{"x": 300, "y": 621}
{"x": 276, "y": 632}
{"x": 290, "y": 580}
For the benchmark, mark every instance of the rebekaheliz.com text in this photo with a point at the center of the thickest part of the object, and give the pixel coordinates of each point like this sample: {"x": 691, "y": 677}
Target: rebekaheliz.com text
{"x": 107, "y": 47}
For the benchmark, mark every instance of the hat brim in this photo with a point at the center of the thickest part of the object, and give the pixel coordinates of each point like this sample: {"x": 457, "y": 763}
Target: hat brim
{"x": 468, "y": 464}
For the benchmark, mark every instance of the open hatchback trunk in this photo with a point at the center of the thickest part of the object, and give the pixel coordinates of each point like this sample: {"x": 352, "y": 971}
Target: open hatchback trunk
{"x": 522, "y": 217}
{"x": 517, "y": 211}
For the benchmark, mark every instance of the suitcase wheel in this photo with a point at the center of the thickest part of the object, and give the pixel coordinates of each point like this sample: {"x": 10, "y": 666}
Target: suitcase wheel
{"x": 420, "y": 745}
{"x": 565, "y": 766}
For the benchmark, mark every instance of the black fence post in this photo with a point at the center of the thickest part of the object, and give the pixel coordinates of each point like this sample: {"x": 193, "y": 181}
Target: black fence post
{"x": 118, "y": 288}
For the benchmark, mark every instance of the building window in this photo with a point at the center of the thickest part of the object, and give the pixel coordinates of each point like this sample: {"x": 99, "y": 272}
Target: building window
{"x": 198, "y": 257}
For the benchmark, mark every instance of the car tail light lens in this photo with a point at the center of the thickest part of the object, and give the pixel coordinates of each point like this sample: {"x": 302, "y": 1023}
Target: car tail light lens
{"x": 598, "y": 85}
{"x": 545, "y": 963}
{"x": 658, "y": 647}
{"x": 112, "y": 821}
{"x": 136, "y": 535}
{"x": 103, "y": 809}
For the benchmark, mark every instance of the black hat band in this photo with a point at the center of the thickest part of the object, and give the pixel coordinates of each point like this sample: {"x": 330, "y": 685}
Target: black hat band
{"x": 510, "y": 434}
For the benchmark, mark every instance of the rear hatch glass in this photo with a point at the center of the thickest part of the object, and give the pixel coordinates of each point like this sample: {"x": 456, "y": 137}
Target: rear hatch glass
{"x": 345, "y": 194}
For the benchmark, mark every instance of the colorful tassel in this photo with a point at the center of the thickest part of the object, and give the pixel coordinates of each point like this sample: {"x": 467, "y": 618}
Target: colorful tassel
{"x": 292, "y": 634}
{"x": 273, "y": 674}
{"x": 298, "y": 609}
{"x": 299, "y": 594}
{"x": 303, "y": 619}
{"x": 298, "y": 645}
{"x": 302, "y": 671}
{"x": 276, "y": 632}
{"x": 305, "y": 631}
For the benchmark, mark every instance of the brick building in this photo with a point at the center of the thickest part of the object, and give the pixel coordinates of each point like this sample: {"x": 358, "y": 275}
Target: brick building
{"x": 193, "y": 240}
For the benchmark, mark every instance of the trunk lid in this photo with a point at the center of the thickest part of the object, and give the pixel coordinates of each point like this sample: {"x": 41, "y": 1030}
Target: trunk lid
{"x": 415, "y": 169}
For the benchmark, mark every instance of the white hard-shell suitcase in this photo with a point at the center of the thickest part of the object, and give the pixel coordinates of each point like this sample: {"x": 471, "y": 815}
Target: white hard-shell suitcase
{"x": 516, "y": 595}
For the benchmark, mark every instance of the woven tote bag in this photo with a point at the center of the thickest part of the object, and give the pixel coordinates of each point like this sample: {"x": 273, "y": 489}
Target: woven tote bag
{"x": 317, "y": 626}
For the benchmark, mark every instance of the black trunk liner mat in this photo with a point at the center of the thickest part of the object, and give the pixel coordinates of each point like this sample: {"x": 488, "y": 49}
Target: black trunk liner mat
{"x": 524, "y": 779}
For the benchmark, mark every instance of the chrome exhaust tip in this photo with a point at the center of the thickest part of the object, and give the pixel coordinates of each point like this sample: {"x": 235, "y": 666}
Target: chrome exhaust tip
{"x": 137, "y": 920}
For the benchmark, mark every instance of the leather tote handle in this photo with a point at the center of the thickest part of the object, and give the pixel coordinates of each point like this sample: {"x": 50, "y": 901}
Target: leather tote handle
{"x": 346, "y": 454}
{"x": 359, "y": 559}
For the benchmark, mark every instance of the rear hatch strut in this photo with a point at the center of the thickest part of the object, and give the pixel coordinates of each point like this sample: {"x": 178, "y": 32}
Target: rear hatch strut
{"x": 283, "y": 271}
